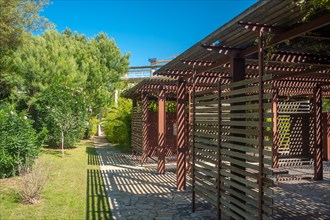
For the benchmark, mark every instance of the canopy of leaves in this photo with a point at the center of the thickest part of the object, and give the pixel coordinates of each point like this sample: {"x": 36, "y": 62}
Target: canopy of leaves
{"x": 95, "y": 65}
{"x": 61, "y": 108}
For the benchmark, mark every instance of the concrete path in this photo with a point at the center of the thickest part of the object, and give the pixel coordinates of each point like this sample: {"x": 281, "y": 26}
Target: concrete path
{"x": 137, "y": 192}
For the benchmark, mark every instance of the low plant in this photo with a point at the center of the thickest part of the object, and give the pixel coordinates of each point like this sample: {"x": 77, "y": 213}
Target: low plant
{"x": 33, "y": 180}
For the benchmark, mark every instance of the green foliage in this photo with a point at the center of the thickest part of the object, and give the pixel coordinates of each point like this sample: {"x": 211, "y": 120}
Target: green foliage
{"x": 17, "y": 17}
{"x": 95, "y": 65}
{"x": 91, "y": 129}
{"x": 326, "y": 105}
{"x": 62, "y": 109}
{"x": 19, "y": 142}
{"x": 169, "y": 106}
{"x": 118, "y": 123}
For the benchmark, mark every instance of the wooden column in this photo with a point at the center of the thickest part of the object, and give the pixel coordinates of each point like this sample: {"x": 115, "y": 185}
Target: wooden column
{"x": 317, "y": 102}
{"x": 275, "y": 130}
{"x": 181, "y": 135}
{"x": 260, "y": 126}
{"x": 193, "y": 156}
{"x": 161, "y": 131}
{"x": 219, "y": 153}
{"x": 145, "y": 136}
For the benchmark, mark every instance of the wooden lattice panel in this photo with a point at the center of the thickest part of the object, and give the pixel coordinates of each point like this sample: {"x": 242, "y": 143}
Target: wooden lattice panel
{"x": 295, "y": 133}
{"x": 137, "y": 130}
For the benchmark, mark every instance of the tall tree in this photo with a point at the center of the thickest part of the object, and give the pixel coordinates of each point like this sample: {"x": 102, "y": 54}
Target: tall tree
{"x": 17, "y": 17}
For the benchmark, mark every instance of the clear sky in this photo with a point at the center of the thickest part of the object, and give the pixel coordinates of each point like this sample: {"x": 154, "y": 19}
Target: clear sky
{"x": 146, "y": 29}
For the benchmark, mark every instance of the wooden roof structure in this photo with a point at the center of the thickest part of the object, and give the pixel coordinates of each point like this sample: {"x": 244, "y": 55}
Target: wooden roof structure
{"x": 291, "y": 59}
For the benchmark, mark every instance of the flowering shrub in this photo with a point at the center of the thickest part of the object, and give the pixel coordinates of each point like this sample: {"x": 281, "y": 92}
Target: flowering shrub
{"x": 19, "y": 142}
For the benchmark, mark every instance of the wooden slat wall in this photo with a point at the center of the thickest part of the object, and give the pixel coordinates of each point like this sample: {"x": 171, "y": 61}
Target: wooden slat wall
{"x": 295, "y": 133}
{"x": 239, "y": 150}
{"x": 137, "y": 130}
{"x": 239, "y": 154}
{"x": 205, "y": 147}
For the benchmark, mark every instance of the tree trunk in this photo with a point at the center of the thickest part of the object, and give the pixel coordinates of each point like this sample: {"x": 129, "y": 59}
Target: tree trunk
{"x": 62, "y": 143}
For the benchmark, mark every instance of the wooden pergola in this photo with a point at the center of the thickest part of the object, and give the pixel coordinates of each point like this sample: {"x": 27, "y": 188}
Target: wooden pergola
{"x": 235, "y": 136}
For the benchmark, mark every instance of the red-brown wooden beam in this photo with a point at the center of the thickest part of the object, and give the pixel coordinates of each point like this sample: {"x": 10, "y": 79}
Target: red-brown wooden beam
{"x": 275, "y": 130}
{"x": 317, "y": 102}
{"x": 277, "y": 39}
{"x": 161, "y": 131}
{"x": 145, "y": 136}
{"x": 181, "y": 135}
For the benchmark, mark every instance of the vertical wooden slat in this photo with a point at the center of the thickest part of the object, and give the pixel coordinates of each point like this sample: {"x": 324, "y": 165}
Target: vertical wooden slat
{"x": 161, "y": 131}
{"x": 193, "y": 142}
{"x": 219, "y": 154}
{"x": 260, "y": 127}
{"x": 317, "y": 101}
{"x": 181, "y": 135}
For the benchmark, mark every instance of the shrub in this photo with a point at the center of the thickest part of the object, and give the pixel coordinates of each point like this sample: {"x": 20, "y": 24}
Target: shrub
{"x": 62, "y": 110}
{"x": 33, "y": 180}
{"x": 91, "y": 127}
{"x": 118, "y": 124}
{"x": 19, "y": 142}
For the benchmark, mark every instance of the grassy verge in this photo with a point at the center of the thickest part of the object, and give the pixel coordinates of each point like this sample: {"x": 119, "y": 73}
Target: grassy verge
{"x": 75, "y": 189}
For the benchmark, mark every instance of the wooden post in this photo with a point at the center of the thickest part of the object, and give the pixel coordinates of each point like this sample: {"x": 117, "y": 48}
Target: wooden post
{"x": 181, "y": 139}
{"x": 219, "y": 153}
{"x": 260, "y": 126}
{"x": 275, "y": 130}
{"x": 161, "y": 131}
{"x": 145, "y": 136}
{"x": 317, "y": 102}
{"x": 193, "y": 141}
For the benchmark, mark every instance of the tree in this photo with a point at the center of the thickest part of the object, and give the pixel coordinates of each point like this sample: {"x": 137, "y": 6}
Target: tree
{"x": 62, "y": 110}
{"x": 17, "y": 17}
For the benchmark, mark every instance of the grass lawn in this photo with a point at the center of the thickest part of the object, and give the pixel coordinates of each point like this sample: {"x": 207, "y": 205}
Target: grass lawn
{"x": 75, "y": 189}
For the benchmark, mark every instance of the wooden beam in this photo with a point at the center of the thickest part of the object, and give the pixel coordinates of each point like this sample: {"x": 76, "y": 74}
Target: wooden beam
{"x": 317, "y": 109}
{"x": 222, "y": 50}
{"x": 294, "y": 32}
{"x": 181, "y": 135}
{"x": 161, "y": 131}
{"x": 262, "y": 27}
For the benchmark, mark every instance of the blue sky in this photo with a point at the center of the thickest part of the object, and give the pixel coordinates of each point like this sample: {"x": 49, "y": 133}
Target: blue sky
{"x": 146, "y": 29}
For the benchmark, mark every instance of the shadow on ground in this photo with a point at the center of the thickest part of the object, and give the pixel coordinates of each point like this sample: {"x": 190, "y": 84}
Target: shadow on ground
{"x": 97, "y": 205}
{"x": 303, "y": 199}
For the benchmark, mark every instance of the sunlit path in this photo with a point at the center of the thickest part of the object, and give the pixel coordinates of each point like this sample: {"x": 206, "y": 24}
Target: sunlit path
{"x": 137, "y": 192}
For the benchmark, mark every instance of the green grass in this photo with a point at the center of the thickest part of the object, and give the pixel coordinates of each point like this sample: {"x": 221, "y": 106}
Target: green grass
{"x": 75, "y": 189}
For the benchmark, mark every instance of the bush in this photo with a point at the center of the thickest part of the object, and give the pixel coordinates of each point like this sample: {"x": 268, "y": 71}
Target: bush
{"x": 62, "y": 109}
{"x": 19, "y": 142}
{"x": 91, "y": 127}
{"x": 118, "y": 124}
{"x": 33, "y": 181}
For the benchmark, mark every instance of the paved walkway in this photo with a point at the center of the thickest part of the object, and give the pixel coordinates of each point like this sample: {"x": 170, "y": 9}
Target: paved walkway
{"x": 137, "y": 192}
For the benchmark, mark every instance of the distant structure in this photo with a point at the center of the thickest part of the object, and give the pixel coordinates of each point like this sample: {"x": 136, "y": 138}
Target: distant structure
{"x": 136, "y": 73}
